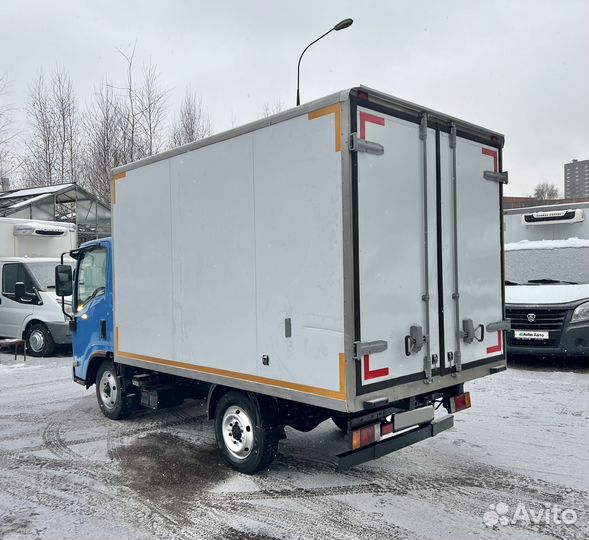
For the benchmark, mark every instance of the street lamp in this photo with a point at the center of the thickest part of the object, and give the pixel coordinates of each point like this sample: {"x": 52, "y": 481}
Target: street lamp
{"x": 339, "y": 26}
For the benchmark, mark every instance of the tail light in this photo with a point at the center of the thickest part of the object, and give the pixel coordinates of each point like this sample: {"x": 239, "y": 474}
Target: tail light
{"x": 371, "y": 434}
{"x": 459, "y": 403}
{"x": 365, "y": 436}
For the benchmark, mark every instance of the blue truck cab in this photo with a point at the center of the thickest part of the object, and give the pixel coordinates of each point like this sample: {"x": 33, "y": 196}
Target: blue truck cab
{"x": 92, "y": 325}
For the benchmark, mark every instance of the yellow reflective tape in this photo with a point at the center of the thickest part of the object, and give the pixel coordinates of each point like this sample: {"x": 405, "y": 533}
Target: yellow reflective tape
{"x": 331, "y": 109}
{"x": 116, "y": 177}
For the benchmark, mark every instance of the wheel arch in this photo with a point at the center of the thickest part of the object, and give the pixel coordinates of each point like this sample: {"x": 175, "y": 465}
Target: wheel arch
{"x": 29, "y": 322}
{"x": 266, "y": 406}
{"x": 94, "y": 363}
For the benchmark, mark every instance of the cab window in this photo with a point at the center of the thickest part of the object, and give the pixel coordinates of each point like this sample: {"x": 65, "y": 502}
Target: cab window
{"x": 12, "y": 273}
{"x": 91, "y": 276}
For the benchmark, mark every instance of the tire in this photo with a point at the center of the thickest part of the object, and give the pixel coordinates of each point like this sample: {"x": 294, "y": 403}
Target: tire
{"x": 39, "y": 341}
{"x": 243, "y": 444}
{"x": 341, "y": 423}
{"x": 110, "y": 392}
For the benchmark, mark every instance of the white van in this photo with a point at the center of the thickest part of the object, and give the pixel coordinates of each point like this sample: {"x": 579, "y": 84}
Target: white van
{"x": 29, "y": 308}
{"x": 547, "y": 297}
{"x": 29, "y": 251}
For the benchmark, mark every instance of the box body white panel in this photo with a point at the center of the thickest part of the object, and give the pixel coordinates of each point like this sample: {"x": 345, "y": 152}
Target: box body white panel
{"x": 229, "y": 241}
{"x": 298, "y": 208}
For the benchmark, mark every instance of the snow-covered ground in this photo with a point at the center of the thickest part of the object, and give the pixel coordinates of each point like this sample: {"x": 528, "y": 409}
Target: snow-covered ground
{"x": 67, "y": 472}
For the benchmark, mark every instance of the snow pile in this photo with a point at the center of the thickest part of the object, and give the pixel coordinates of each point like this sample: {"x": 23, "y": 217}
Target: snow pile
{"x": 7, "y": 368}
{"x": 547, "y": 244}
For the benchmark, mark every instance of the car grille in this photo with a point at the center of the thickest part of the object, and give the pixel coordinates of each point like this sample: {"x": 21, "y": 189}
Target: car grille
{"x": 546, "y": 319}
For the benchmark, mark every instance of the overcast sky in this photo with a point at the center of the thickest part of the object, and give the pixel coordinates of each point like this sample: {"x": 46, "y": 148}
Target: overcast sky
{"x": 520, "y": 67}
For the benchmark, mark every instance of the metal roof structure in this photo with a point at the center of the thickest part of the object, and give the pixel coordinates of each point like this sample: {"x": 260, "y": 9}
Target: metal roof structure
{"x": 61, "y": 202}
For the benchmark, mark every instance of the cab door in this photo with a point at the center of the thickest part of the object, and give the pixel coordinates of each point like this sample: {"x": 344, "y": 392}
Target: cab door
{"x": 92, "y": 306}
{"x": 14, "y": 311}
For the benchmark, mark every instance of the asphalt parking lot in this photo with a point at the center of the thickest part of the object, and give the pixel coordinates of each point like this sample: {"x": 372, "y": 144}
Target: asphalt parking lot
{"x": 68, "y": 472}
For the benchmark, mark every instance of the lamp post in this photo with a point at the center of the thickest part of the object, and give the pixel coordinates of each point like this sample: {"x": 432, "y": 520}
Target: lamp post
{"x": 339, "y": 26}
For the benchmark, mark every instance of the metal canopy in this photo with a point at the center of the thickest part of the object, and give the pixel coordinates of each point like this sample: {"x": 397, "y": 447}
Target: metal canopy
{"x": 62, "y": 203}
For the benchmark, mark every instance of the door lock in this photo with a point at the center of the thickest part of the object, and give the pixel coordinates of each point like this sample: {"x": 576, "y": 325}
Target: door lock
{"x": 415, "y": 341}
{"x": 469, "y": 332}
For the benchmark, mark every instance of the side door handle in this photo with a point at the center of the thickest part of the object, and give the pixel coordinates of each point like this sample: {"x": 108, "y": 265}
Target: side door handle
{"x": 415, "y": 341}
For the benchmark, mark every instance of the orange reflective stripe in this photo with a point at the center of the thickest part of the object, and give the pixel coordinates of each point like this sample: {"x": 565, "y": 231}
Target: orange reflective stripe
{"x": 116, "y": 177}
{"x": 323, "y": 392}
{"x": 331, "y": 109}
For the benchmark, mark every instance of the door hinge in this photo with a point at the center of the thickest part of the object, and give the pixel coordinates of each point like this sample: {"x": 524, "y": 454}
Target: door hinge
{"x": 423, "y": 127}
{"x": 360, "y": 145}
{"x": 427, "y": 368}
{"x": 452, "y": 136}
{"x": 499, "y": 325}
{"x": 457, "y": 363}
{"x": 500, "y": 177}
{"x": 368, "y": 347}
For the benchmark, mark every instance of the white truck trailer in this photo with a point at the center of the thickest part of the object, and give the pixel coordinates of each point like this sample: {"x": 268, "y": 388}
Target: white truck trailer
{"x": 342, "y": 259}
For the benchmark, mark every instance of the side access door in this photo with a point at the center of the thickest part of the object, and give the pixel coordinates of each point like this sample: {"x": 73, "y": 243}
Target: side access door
{"x": 394, "y": 193}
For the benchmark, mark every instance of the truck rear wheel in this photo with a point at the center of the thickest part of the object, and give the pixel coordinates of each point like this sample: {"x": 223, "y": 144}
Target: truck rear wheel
{"x": 38, "y": 340}
{"x": 110, "y": 392}
{"x": 245, "y": 445}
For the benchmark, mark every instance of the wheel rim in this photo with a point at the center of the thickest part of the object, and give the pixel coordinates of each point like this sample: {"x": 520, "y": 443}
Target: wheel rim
{"x": 37, "y": 340}
{"x": 238, "y": 432}
{"x": 109, "y": 390}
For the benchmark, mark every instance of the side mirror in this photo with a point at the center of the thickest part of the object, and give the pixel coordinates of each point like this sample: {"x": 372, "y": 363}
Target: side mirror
{"x": 63, "y": 280}
{"x": 19, "y": 291}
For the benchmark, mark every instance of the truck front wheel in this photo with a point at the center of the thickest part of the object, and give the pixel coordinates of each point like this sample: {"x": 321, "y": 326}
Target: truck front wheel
{"x": 243, "y": 443}
{"x": 110, "y": 392}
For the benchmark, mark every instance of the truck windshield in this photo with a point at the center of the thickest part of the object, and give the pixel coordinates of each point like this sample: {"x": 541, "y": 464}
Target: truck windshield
{"x": 546, "y": 264}
{"x": 91, "y": 279}
{"x": 44, "y": 273}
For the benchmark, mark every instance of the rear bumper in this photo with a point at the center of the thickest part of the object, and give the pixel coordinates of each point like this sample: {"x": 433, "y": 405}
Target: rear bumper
{"x": 60, "y": 332}
{"x": 379, "y": 449}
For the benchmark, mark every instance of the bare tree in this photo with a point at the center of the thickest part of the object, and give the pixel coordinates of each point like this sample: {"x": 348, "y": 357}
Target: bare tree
{"x": 39, "y": 162}
{"x": 7, "y": 133}
{"x": 52, "y": 148}
{"x": 192, "y": 122}
{"x": 152, "y": 101}
{"x": 103, "y": 149}
{"x": 63, "y": 104}
{"x": 545, "y": 192}
{"x": 143, "y": 110}
{"x": 269, "y": 110}
{"x": 129, "y": 107}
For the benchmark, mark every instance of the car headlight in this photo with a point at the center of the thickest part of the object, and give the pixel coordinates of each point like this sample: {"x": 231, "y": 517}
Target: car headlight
{"x": 67, "y": 307}
{"x": 581, "y": 313}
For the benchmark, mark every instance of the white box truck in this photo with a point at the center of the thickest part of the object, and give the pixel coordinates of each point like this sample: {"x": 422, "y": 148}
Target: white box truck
{"x": 338, "y": 260}
{"x": 29, "y": 308}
